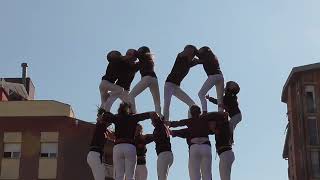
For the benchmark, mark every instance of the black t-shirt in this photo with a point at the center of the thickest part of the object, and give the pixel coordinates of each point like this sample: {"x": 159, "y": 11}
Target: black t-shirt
{"x": 126, "y": 73}
{"x": 211, "y": 65}
{"x": 98, "y": 139}
{"x": 180, "y": 69}
{"x": 125, "y": 125}
{"x": 223, "y": 137}
{"x": 140, "y": 142}
{"x": 147, "y": 68}
{"x": 230, "y": 104}
{"x": 162, "y": 138}
{"x": 112, "y": 70}
{"x": 198, "y": 127}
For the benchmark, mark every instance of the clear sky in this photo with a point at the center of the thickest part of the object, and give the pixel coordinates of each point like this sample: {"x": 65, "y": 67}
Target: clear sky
{"x": 257, "y": 43}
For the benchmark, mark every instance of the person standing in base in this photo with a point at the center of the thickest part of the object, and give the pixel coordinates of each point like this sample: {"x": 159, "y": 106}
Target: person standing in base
{"x": 200, "y": 155}
{"x": 140, "y": 142}
{"x": 94, "y": 158}
{"x": 224, "y": 141}
{"x": 161, "y": 136}
{"x": 124, "y": 151}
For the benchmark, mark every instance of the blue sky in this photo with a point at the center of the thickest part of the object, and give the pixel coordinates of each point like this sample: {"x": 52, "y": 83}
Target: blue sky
{"x": 257, "y": 43}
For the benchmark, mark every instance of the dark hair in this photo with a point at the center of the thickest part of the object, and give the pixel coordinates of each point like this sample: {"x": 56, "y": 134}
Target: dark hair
{"x": 135, "y": 52}
{"x": 232, "y": 87}
{"x": 113, "y": 55}
{"x": 189, "y": 46}
{"x": 124, "y": 108}
{"x": 144, "y": 53}
{"x": 143, "y": 49}
{"x": 203, "y": 51}
{"x": 195, "y": 110}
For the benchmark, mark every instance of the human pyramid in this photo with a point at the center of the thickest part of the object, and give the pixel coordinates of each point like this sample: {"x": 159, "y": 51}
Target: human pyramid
{"x": 129, "y": 152}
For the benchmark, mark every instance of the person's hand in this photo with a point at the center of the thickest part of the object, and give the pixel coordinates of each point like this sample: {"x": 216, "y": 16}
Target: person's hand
{"x": 100, "y": 119}
{"x": 110, "y": 135}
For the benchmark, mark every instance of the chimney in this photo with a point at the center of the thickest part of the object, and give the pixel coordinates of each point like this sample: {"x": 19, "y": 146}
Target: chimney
{"x": 24, "y": 74}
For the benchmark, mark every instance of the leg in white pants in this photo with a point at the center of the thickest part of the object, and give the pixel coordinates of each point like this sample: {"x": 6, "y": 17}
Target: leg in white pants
{"x": 225, "y": 164}
{"x": 206, "y": 162}
{"x": 106, "y": 86}
{"x": 124, "y": 96}
{"x": 235, "y": 120}
{"x": 213, "y": 80}
{"x": 200, "y": 160}
{"x": 173, "y": 89}
{"x": 145, "y": 82}
{"x": 141, "y": 172}
{"x": 194, "y": 162}
{"x": 164, "y": 162}
{"x": 97, "y": 167}
{"x": 124, "y": 161}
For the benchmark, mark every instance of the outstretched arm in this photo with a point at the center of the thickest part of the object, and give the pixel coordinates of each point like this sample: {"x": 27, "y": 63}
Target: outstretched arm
{"x": 183, "y": 122}
{"x": 215, "y": 116}
{"x": 107, "y": 118}
{"x": 182, "y": 133}
{"x": 142, "y": 116}
{"x": 148, "y": 138}
{"x": 212, "y": 99}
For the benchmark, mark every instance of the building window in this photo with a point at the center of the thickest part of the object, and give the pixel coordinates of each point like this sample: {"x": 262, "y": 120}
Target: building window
{"x": 12, "y": 150}
{"x": 310, "y": 99}
{"x": 49, "y": 150}
{"x": 313, "y": 131}
{"x": 10, "y": 163}
{"x": 48, "y": 155}
{"x": 315, "y": 163}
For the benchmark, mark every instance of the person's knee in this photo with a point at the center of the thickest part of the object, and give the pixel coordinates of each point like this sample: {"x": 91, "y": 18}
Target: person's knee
{"x": 201, "y": 94}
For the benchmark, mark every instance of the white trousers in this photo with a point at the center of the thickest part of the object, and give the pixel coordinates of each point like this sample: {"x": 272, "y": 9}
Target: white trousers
{"x": 164, "y": 162}
{"x": 235, "y": 120}
{"x": 146, "y": 82}
{"x": 124, "y": 161}
{"x": 97, "y": 167}
{"x": 124, "y": 96}
{"x": 171, "y": 89}
{"x": 200, "y": 162}
{"x": 213, "y": 80}
{"x": 225, "y": 164}
{"x": 141, "y": 172}
{"x": 108, "y": 89}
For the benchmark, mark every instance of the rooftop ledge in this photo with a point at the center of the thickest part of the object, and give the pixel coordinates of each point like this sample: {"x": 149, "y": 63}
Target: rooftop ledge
{"x": 35, "y": 108}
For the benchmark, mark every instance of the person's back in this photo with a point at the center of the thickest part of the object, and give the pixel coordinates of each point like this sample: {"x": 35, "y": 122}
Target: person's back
{"x": 179, "y": 70}
{"x": 125, "y": 127}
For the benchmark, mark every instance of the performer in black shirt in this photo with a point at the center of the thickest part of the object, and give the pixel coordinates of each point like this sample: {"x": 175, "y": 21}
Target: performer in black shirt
{"x": 180, "y": 69}
{"x": 148, "y": 79}
{"x": 124, "y": 151}
{"x": 126, "y": 73}
{"x": 215, "y": 78}
{"x": 107, "y": 86}
{"x": 230, "y": 103}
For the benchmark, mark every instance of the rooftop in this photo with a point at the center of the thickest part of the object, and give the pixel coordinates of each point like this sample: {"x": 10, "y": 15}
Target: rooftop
{"x": 35, "y": 108}
{"x": 295, "y": 71}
